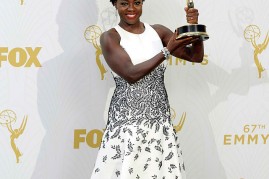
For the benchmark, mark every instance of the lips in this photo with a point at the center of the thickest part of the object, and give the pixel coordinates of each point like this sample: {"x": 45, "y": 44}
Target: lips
{"x": 131, "y": 16}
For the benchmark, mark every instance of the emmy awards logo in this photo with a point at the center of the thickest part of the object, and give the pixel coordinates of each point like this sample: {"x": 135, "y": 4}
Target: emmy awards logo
{"x": 251, "y": 34}
{"x": 179, "y": 126}
{"x": 7, "y": 118}
{"x": 91, "y": 34}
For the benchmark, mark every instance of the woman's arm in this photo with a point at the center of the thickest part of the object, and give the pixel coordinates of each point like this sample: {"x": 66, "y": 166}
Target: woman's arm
{"x": 195, "y": 52}
{"x": 120, "y": 62}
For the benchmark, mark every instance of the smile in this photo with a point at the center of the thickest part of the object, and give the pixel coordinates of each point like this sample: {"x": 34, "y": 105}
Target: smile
{"x": 131, "y": 16}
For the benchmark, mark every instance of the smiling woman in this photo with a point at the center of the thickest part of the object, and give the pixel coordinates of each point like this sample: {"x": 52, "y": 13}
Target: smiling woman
{"x": 139, "y": 141}
{"x": 113, "y": 1}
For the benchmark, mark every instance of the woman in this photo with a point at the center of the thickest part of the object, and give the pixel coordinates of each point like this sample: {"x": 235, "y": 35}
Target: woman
{"x": 139, "y": 141}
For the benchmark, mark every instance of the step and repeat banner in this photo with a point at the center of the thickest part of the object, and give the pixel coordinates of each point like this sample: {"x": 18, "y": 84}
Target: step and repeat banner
{"x": 55, "y": 87}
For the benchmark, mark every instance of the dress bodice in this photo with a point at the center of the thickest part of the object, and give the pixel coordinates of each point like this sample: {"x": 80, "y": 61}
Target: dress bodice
{"x": 147, "y": 98}
{"x": 140, "y": 47}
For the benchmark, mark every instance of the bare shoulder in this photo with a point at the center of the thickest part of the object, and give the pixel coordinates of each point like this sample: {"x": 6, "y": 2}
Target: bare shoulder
{"x": 160, "y": 28}
{"x": 110, "y": 37}
{"x": 162, "y": 31}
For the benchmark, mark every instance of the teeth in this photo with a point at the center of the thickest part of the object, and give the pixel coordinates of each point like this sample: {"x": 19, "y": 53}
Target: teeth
{"x": 131, "y": 16}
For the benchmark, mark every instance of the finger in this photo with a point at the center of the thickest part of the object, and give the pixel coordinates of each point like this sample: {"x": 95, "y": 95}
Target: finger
{"x": 184, "y": 39}
{"x": 192, "y": 14}
{"x": 174, "y": 36}
{"x": 176, "y": 32}
{"x": 186, "y": 9}
{"x": 189, "y": 39}
{"x": 190, "y": 10}
{"x": 195, "y": 39}
{"x": 192, "y": 20}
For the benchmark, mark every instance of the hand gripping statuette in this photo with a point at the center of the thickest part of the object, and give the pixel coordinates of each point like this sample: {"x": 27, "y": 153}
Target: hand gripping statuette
{"x": 192, "y": 29}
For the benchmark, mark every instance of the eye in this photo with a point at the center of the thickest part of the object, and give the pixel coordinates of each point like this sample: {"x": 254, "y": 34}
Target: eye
{"x": 124, "y": 4}
{"x": 138, "y": 3}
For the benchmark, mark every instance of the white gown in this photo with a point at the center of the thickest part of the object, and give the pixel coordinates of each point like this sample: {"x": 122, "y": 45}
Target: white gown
{"x": 139, "y": 141}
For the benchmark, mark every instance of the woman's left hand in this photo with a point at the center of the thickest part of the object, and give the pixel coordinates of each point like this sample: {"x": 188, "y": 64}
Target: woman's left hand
{"x": 192, "y": 15}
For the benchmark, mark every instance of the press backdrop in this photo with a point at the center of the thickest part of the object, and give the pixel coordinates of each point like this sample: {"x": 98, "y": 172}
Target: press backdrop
{"x": 55, "y": 87}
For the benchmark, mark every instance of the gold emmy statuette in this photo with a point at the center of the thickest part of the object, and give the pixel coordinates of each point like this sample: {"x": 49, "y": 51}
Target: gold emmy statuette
{"x": 192, "y": 29}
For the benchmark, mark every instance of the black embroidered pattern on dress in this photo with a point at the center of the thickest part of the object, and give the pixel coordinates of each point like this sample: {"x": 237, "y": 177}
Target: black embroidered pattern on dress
{"x": 136, "y": 110}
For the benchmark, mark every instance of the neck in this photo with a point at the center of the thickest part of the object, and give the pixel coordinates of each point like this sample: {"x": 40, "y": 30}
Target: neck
{"x": 136, "y": 28}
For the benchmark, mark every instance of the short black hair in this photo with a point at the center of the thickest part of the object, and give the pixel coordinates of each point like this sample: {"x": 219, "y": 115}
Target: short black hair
{"x": 113, "y": 1}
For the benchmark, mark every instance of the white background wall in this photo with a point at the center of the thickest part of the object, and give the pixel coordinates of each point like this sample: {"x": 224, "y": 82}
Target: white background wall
{"x": 66, "y": 100}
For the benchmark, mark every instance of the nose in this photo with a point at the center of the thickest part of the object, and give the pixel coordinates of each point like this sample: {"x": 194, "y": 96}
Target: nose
{"x": 131, "y": 7}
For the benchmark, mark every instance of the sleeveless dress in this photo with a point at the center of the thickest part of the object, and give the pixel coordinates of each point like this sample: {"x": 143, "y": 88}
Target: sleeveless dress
{"x": 139, "y": 141}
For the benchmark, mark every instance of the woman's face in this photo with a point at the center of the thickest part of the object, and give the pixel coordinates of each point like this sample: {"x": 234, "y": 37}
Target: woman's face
{"x": 129, "y": 10}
